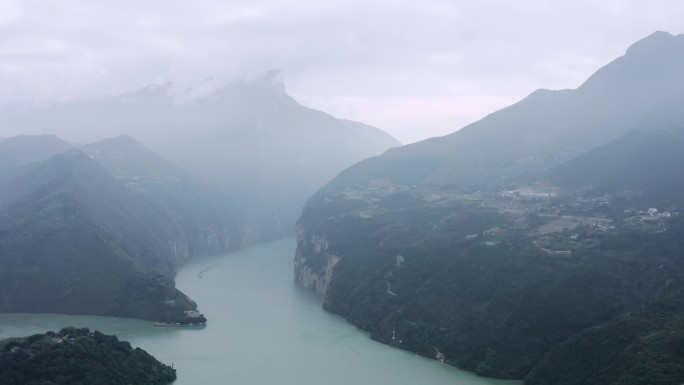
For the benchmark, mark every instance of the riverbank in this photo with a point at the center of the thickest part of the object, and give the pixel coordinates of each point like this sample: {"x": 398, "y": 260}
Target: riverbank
{"x": 263, "y": 329}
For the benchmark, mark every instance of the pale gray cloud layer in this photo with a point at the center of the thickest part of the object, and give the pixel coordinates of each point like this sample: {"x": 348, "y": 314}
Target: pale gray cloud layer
{"x": 415, "y": 69}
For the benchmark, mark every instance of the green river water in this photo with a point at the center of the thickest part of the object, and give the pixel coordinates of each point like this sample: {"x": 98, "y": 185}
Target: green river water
{"x": 262, "y": 329}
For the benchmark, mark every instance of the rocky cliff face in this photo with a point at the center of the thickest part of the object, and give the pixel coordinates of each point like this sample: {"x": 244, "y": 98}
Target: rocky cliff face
{"x": 206, "y": 221}
{"x": 500, "y": 270}
{"x": 313, "y": 263}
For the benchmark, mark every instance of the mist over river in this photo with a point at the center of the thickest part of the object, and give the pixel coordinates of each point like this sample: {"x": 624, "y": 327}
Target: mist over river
{"x": 262, "y": 329}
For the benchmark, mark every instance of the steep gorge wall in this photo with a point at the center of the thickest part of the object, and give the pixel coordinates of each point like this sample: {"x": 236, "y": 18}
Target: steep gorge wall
{"x": 313, "y": 262}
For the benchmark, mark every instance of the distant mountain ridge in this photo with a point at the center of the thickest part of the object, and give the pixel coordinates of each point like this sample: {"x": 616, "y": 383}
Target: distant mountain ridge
{"x": 547, "y": 127}
{"x": 542, "y": 242}
{"x": 75, "y": 241}
{"x": 26, "y": 149}
{"x": 248, "y": 138}
{"x": 101, "y": 229}
{"x": 209, "y": 222}
{"x": 125, "y": 157}
{"x": 643, "y": 162}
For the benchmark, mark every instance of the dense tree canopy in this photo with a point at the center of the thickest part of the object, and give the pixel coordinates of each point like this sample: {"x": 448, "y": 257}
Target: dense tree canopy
{"x": 78, "y": 357}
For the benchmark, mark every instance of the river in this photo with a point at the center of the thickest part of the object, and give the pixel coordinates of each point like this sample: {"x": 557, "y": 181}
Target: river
{"x": 262, "y": 329}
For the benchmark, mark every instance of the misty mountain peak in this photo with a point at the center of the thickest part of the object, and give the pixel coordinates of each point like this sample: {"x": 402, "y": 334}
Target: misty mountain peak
{"x": 115, "y": 146}
{"x": 264, "y": 85}
{"x": 655, "y": 43}
{"x": 274, "y": 79}
{"x": 122, "y": 140}
{"x": 26, "y": 149}
{"x": 269, "y": 84}
{"x": 73, "y": 157}
{"x": 72, "y": 167}
{"x": 649, "y": 65}
{"x": 123, "y": 156}
{"x": 42, "y": 138}
{"x": 154, "y": 92}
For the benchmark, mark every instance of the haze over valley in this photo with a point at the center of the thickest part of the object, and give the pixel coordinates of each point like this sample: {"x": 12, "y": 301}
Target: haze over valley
{"x": 223, "y": 216}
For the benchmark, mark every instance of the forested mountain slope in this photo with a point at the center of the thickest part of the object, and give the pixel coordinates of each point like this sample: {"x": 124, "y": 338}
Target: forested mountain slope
{"x": 249, "y": 139}
{"x": 30, "y": 148}
{"x": 74, "y": 240}
{"x": 501, "y": 247}
{"x": 78, "y": 356}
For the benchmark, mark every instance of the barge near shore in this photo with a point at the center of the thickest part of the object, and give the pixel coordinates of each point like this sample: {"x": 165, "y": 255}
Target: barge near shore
{"x": 179, "y": 325}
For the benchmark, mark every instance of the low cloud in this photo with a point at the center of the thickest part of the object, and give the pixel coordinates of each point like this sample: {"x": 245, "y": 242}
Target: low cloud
{"x": 438, "y": 65}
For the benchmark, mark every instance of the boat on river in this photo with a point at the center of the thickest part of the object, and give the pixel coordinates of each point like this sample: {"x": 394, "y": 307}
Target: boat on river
{"x": 179, "y": 325}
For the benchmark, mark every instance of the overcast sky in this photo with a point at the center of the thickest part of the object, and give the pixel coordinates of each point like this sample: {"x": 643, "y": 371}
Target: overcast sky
{"x": 413, "y": 68}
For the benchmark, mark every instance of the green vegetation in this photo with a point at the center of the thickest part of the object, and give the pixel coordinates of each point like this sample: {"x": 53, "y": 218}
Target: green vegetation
{"x": 645, "y": 347}
{"x": 638, "y": 162}
{"x": 74, "y": 240}
{"x": 497, "y": 304}
{"x": 76, "y": 356}
{"x": 543, "y": 242}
